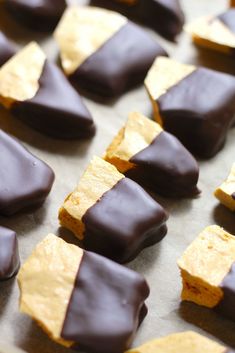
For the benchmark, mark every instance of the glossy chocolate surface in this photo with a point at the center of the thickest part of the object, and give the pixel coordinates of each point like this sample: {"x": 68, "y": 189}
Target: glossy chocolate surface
{"x": 228, "y": 19}
{"x": 9, "y": 254}
{"x": 166, "y": 167}
{"x": 25, "y": 181}
{"x": 7, "y": 49}
{"x": 57, "y": 109}
{"x": 105, "y": 307}
{"x": 227, "y": 305}
{"x": 42, "y": 15}
{"x": 121, "y": 63}
{"x": 199, "y": 110}
{"x": 123, "y": 222}
{"x": 166, "y": 17}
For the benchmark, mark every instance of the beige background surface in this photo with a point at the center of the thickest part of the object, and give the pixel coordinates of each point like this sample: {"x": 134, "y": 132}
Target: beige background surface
{"x": 187, "y": 217}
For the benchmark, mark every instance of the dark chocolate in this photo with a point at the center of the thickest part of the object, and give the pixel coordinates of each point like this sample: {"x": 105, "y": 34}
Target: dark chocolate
{"x": 166, "y": 167}
{"x": 123, "y": 222}
{"x": 121, "y": 63}
{"x": 228, "y": 19}
{"x": 9, "y": 254}
{"x": 104, "y": 311}
{"x": 199, "y": 110}
{"x": 25, "y": 181}
{"x": 42, "y": 15}
{"x": 164, "y": 16}
{"x": 7, "y": 49}
{"x": 57, "y": 109}
{"x": 226, "y": 307}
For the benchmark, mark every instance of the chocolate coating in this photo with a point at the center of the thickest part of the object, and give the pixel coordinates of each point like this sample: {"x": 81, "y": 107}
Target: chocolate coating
{"x": 42, "y": 15}
{"x": 9, "y": 254}
{"x": 25, "y": 181}
{"x": 199, "y": 110}
{"x": 104, "y": 310}
{"x": 57, "y": 109}
{"x": 228, "y": 18}
{"x": 166, "y": 167}
{"x": 123, "y": 222}
{"x": 121, "y": 63}
{"x": 166, "y": 17}
{"x": 226, "y": 307}
{"x": 7, "y": 49}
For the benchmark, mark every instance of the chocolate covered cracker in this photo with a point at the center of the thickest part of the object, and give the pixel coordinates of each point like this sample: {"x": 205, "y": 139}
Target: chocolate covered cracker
{"x": 208, "y": 271}
{"x": 146, "y": 153}
{"x": 112, "y": 215}
{"x": 81, "y": 299}
{"x": 193, "y": 103}
{"x": 166, "y": 17}
{"x": 102, "y": 51}
{"x": 37, "y": 92}
{"x": 225, "y": 193}
{"x": 9, "y": 254}
{"x": 25, "y": 180}
{"x": 42, "y": 15}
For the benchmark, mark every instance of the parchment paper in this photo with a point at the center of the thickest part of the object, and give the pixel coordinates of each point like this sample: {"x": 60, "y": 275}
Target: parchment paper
{"x": 187, "y": 217}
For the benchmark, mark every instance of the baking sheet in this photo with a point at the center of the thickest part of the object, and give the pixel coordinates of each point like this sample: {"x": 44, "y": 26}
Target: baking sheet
{"x": 187, "y": 217}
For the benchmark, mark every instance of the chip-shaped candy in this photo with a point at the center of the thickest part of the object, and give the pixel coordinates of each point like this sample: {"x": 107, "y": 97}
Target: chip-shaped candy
{"x": 37, "y": 92}
{"x": 195, "y": 104}
{"x": 42, "y": 15}
{"x": 9, "y": 254}
{"x": 102, "y": 51}
{"x": 166, "y": 17}
{"x": 208, "y": 271}
{"x": 112, "y": 215}
{"x": 146, "y": 153}
{"x": 25, "y": 180}
{"x": 81, "y": 299}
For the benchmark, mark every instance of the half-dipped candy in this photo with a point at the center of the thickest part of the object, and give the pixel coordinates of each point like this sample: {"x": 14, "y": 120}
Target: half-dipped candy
{"x": 194, "y": 103}
{"x": 25, "y": 180}
{"x": 146, "y": 153}
{"x": 37, "y": 92}
{"x": 81, "y": 299}
{"x": 112, "y": 215}
{"x": 102, "y": 52}
{"x": 9, "y": 254}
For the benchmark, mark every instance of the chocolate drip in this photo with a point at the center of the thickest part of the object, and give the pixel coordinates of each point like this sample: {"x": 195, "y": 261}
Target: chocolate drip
{"x": 199, "y": 110}
{"x": 104, "y": 310}
{"x": 123, "y": 222}
{"x": 7, "y": 49}
{"x": 228, "y": 19}
{"x": 25, "y": 181}
{"x": 9, "y": 254}
{"x": 166, "y": 17}
{"x": 121, "y": 63}
{"x": 42, "y": 15}
{"x": 57, "y": 109}
{"x": 166, "y": 167}
{"x": 226, "y": 307}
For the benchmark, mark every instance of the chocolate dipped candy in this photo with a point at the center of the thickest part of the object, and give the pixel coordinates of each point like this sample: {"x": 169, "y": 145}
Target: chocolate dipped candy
{"x": 102, "y": 52}
{"x": 225, "y": 193}
{"x": 9, "y": 254}
{"x": 166, "y": 17}
{"x": 38, "y": 93}
{"x": 82, "y": 300}
{"x": 208, "y": 271}
{"x": 7, "y": 49}
{"x": 215, "y": 32}
{"x": 112, "y": 215}
{"x": 183, "y": 342}
{"x": 25, "y": 180}
{"x": 42, "y": 15}
{"x": 194, "y": 103}
{"x": 154, "y": 158}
